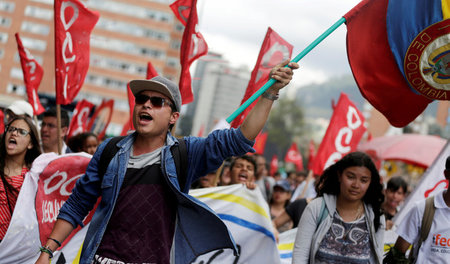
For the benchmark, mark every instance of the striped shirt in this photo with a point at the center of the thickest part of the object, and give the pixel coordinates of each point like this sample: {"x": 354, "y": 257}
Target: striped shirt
{"x": 5, "y": 213}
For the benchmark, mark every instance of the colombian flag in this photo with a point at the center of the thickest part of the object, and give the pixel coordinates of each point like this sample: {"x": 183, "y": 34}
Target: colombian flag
{"x": 399, "y": 53}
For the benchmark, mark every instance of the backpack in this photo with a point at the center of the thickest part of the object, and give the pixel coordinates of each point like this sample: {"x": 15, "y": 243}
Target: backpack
{"x": 427, "y": 220}
{"x": 179, "y": 153}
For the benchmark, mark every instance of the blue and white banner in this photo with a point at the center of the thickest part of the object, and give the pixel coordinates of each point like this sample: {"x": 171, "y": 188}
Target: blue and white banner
{"x": 246, "y": 214}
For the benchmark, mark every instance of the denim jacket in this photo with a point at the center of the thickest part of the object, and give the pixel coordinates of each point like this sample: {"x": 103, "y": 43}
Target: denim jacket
{"x": 198, "y": 229}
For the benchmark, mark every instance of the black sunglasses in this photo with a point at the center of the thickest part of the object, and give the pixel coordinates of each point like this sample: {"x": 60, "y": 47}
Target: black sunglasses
{"x": 21, "y": 131}
{"x": 156, "y": 101}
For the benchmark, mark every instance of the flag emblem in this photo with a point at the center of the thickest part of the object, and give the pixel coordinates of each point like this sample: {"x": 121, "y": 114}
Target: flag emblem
{"x": 427, "y": 61}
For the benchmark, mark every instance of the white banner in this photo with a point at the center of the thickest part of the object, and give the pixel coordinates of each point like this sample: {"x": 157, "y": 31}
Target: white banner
{"x": 432, "y": 182}
{"x": 246, "y": 214}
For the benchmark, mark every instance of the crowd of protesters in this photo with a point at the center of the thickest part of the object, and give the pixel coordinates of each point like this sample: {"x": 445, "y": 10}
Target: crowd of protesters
{"x": 341, "y": 215}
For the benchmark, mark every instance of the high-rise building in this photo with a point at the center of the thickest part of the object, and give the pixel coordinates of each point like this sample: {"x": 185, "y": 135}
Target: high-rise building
{"x": 218, "y": 88}
{"x": 128, "y": 35}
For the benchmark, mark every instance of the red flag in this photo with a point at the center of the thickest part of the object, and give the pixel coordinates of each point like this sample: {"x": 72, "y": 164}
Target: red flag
{"x": 32, "y": 76}
{"x": 151, "y": 72}
{"x": 343, "y": 134}
{"x": 260, "y": 143}
{"x": 100, "y": 120}
{"x": 73, "y": 26}
{"x": 312, "y": 152}
{"x": 273, "y": 51}
{"x": 273, "y": 165}
{"x": 193, "y": 45}
{"x": 373, "y": 64}
{"x": 80, "y": 118}
{"x": 294, "y": 156}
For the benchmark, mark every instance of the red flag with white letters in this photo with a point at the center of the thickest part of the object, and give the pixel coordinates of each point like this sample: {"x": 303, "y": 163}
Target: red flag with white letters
{"x": 273, "y": 51}
{"x": 80, "y": 118}
{"x": 73, "y": 26}
{"x": 193, "y": 45}
{"x": 294, "y": 156}
{"x": 343, "y": 134}
{"x": 273, "y": 165}
{"x": 32, "y": 76}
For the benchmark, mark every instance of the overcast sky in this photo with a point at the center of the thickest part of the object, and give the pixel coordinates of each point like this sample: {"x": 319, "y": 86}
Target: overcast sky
{"x": 236, "y": 29}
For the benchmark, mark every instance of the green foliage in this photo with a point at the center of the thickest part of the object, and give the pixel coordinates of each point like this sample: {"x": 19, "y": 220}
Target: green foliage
{"x": 285, "y": 125}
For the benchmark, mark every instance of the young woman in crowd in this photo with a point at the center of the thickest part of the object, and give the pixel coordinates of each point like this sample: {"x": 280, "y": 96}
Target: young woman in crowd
{"x": 86, "y": 141}
{"x": 345, "y": 223}
{"x": 280, "y": 199}
{"x": 19, "y": 147}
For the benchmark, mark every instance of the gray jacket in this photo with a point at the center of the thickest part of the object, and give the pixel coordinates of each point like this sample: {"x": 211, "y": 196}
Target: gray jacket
{"x": 309, "y": 235}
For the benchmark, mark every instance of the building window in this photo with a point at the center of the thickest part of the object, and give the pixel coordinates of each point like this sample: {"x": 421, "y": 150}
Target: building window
{"x": 34, "y": 44}
{"x": 16, "y": 73}
{"x": 16, "y": 89}
{"x": 3, "y": 37}
{"x": 131, "y": 10}
{"x": 35, "y": 28}
{"x": 5, "y": 21}
{"x": 39, "y": 59}
{"x": 131, "y": 29}
{"x": 50, "y": 2}
{"x": 2, "y": 53}
{"x": 172, "y": 62}
{"x": 37, "y": 12}
{"x": 107, "y": 82}
{"x": 125, "y": 47}
{"x": 7, "y": 6}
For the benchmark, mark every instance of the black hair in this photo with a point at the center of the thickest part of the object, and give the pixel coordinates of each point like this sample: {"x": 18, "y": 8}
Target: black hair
{"x": 244, "y": 157}
{"x": 329, "y": 181}
{"x": 396, "y": 183}
{"x": 51, "y": 112}
{"x": 30, "y": 155}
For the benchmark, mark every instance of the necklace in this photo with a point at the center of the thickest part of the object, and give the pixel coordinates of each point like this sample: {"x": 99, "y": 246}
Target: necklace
{"x": 354, "y": 222}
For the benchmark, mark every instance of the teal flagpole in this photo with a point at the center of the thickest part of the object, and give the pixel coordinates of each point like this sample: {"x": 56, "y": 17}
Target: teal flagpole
{"x": 271, "y": 81}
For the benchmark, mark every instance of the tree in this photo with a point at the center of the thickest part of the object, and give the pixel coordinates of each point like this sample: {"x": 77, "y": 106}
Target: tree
{"x": 285, "y": 125}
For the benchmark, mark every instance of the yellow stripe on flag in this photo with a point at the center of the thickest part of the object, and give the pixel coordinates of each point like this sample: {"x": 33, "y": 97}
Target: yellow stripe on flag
{"x": 445, "y": 9}
{"x": 288, "y": 246}
{"x": 237, "y": 199}
{"x": 77, "y": 258}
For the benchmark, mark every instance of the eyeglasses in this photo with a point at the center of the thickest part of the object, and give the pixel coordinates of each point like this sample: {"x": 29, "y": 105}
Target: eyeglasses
{"x": 156, "y": 101}
{"x": 21, "y": 131}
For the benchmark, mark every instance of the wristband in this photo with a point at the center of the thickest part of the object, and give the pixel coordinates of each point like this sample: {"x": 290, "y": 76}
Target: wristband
{"x": 270, "y": 96}
{"x": 56, "y": 241}
{"x": 47, "y": 250}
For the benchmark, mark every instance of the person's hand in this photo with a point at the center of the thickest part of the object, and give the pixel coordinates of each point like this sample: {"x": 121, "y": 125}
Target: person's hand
{"x": 43, "y": 259}
{"x": 282, "y": 75}
{"x": 250, "y": 185}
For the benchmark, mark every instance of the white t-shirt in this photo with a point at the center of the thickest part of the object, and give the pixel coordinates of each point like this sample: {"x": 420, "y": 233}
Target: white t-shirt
{"x": 436, "y": 248}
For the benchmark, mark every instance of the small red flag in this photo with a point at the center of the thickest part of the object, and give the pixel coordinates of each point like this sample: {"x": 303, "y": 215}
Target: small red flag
{"x": 312, "y": 152}
{"x": 273, "y": 51}
{"x": 294, "y": 156}
{"x": 102, "y": 117}
{"x": 273, "y": 165}
{"x": 127, "y": 127}
{"x": 260, "y": 143}
{"x": 131, "y": 104}
{"x": 193, "y": 45}
{"x": 73, "y": 26}
{"x": 32, "y": 76}
{"x": 80, "y": 118}
{"x": 151, "y": 72}
{"x": 343, "y": 134}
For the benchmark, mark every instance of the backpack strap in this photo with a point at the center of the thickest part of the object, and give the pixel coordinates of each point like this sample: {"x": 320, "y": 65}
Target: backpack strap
{"x": 179, "y": 153}
{"x": 108, "y": 153}
{"x": 323, "y": 213}
{"x": 427, "y": 220}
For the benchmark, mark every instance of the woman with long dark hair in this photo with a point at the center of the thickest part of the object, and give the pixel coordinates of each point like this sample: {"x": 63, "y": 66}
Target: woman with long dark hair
{"x": 19, "y": 147}
{"x": 344, "y": 224}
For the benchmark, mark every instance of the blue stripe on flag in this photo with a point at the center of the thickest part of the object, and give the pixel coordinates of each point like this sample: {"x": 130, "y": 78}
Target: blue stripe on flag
{"x": 286, "y": 255}
{"x": 247, "y": 224}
